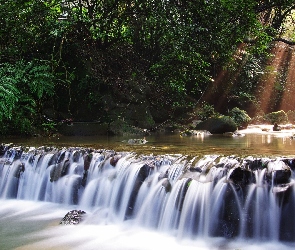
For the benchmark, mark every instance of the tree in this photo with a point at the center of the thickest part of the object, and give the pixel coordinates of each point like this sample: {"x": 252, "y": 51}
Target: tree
{"x": 102, "y": 57}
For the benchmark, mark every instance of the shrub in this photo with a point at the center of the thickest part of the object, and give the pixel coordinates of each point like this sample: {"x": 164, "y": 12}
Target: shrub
{"x": 206, "y": 111}
{"x": 218, "y": 125}
{"x": 259, "y": 119}
{"x": 278, "y": 117}
{"x": 240, "y": 117}
{"x": 291, "y": 116}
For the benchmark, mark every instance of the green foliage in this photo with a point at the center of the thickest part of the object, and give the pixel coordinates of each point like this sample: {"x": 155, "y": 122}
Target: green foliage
{"x": 218, "y": 125}
{"x": 165, "y": 52}
{"x": 23, "y": 86}
{"x": 278, "y": 117}
{"x": 49, "y": 127}
{"x": 291, "y": 116}
{"x": 25, "y": 28}
{"x": 9, "y": 95}
{"x": 33, "y": 78}
{"x": 205, "y": 111}
{"x": 240, "y": 117}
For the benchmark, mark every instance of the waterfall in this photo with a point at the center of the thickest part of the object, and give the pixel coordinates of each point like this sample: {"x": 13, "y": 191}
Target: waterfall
{"x": 200, "y": 197}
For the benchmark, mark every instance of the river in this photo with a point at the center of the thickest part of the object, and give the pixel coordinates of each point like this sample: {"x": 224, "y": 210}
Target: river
{"x": 30, "y": 224}
{"x": 255, "y": 142}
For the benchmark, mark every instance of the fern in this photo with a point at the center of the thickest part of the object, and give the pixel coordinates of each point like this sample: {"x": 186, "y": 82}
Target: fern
{"x": 40, "y": 79}
{"x": 22, "y": 86}
{"x": 9, "y": 95}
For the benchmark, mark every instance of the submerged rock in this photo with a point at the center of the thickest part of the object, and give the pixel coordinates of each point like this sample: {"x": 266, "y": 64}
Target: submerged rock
{"x": 137, "y": 141}
{"x": 234, "y": 134}
{"x": 194, "y": 132}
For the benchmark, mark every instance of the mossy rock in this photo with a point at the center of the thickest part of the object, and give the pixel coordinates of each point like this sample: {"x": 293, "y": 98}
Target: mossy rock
{"x": 218, "y": 125}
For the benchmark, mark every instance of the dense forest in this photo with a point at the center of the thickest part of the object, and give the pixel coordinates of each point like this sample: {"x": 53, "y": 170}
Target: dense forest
{"x": 142, "y": 63}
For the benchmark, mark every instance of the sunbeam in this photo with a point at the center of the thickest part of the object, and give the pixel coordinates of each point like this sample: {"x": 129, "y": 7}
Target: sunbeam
{"x": 270, "y": 87}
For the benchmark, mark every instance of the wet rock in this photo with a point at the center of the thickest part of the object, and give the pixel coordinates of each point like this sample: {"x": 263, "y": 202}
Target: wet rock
{"x": 114, "y": 160}
{"x": 59, "y": 170}
{"x": 255, "y": 164}
{"x": 53, "y": 159}
{"x": 182, "y": 192}
{"x": 137, "y": 141}
{"x": 76, "y": 156}
{"x": 142, "y": 175}
{"x": 283, "y": 193}
{"x": 73, "y": 217}
{"x": 194, "y": 132}
{"x": 65, "y": 168}
{"x": 195, "y": 169}
{"x": 234, "y": 134}
{"x": 3, "y": 149}
{"x": 290, "y": 163}
{"x": 240, "y": 176}
{"x": 18, "y": 169}
{"x": 163, "y": 175}
{"x": 87, "y": 161}
{"x": 229, "y": 218}
{"x": 61, "y": 156}
{"x": 281, "y": 188}
{"x": 276, "y": 127}
{"x": 84, "y": 178}
{"x": 167, "y": 185}
{"x": 278, "y": 172}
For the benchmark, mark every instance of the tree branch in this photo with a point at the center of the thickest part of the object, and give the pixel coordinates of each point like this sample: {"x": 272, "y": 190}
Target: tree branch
{"x": 289, "y": 42}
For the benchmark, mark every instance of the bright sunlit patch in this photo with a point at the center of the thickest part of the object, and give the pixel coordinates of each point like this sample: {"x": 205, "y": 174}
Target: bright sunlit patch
{"x": 269, "y": 86}
{"x": 288, "y": 100}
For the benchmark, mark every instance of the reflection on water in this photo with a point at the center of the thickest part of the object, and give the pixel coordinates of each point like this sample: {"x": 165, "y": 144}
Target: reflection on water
{"x": 255, "y": 142}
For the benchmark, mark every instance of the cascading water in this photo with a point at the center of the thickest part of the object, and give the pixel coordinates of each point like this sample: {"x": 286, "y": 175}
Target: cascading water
{"x": 204, "y": 197}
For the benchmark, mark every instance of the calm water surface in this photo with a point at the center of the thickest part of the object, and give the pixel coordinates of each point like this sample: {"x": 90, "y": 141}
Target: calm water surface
{"x": 253, "y": 142}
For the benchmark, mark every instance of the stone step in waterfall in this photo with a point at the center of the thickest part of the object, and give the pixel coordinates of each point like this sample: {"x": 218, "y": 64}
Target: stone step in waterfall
{"x": 204, "y": 196}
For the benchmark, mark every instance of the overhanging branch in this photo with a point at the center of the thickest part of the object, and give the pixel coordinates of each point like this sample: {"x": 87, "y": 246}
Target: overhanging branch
{"x": 279, "y": 39}
{"x": 289, "y": 42}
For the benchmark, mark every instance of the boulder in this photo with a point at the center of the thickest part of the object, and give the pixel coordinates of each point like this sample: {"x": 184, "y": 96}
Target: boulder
{"x": 59, "y": 170}
{"x": 241, "y": 176}
{"x": 87, "y": 161}
{"x": 137, "y": 141}
{"x": 279, "y": 172}
{"x": 167, "y": 185}
{"x": 73, "y": 217}
{"x": 218, "y": 125}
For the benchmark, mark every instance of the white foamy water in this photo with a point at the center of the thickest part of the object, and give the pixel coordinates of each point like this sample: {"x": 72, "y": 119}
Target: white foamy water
{"x": 35, "y": 225}
{"x": 144, "y": 202}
